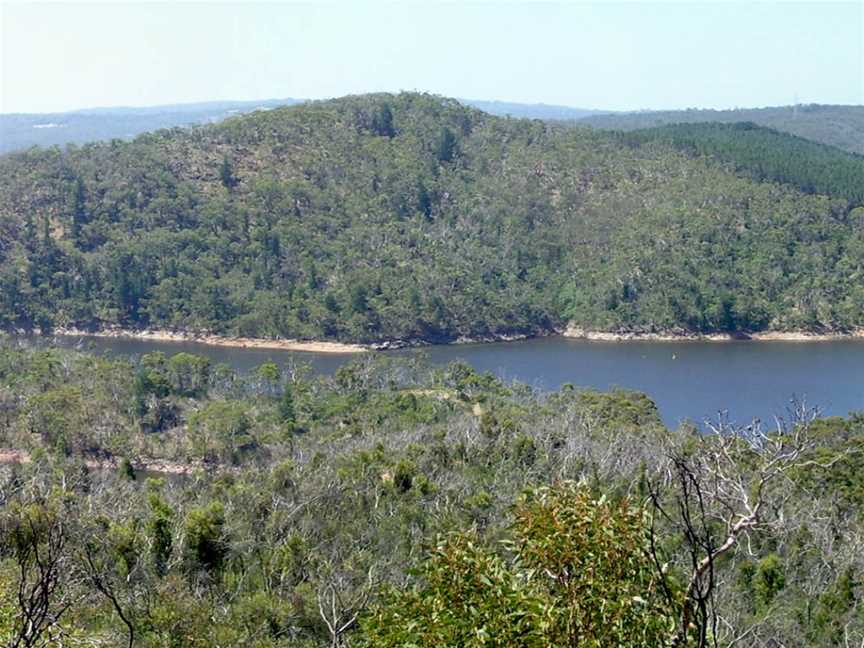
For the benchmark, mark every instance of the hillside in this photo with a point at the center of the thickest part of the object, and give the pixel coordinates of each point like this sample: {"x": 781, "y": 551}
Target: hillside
{"x": 766, "y": 155}
{"x": 403, "y": 217}
{"x": 838, "y": 126}
{"x": 264, "y": 501}
{"x": 220, "y": 509}
{"x": 19, "y": 131}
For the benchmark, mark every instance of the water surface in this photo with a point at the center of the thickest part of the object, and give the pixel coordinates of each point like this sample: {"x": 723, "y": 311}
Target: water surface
{"x": 688, "y": 380}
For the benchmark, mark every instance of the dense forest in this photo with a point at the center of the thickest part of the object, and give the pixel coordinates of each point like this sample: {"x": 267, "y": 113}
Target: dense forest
{"x": 161, "y": 501}
{"x": 406, "y": 217}
{"x": 838, "y": 126}
{"x": 766, "y": 155}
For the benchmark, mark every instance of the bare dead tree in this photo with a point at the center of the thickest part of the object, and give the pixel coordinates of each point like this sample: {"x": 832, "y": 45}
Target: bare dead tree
{"x": 340, "y": 604}
{"x": 717, "y": 489}
{"x": 37, "y": 541}
{"x": 97, "y": 576}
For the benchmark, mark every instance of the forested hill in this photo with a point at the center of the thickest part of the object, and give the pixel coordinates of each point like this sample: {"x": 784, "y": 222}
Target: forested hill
{"x": 839, "y": 126}
{"x": 19, "y": 131}
{"x": 766, "y": 155}
{"x": 409, "y": 216}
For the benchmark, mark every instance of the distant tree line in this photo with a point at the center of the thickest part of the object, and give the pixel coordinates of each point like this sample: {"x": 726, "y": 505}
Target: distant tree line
{"x": 839, "y": 126}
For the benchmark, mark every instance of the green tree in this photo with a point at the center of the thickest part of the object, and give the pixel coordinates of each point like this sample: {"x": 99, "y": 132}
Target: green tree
{"x": 227, "y": 175}
{"x": 582, "y": 577}
{"x": 158, "y": 529}
{"x": 268, "y": 377}
{"x": 383, "y": 122}
{"x": 206, "y": 546}
{"x": 59, "y": 417}
{"x": 470, "y": 598}
{"x": 188, "y": 374}
{"x": 590, "y": 559}
{"x": 768, "y": 580}
{"x": 447, "y": 145}
{"x": 79, "y": 210}
{"x": 287, "y": 413}
{"x": 221, "y": 429}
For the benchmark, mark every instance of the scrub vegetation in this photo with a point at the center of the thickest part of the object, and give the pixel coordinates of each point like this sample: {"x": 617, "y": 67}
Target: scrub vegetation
{"x": 161, "y": 501}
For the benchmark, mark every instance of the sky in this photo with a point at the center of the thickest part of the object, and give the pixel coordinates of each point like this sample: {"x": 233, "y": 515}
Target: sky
{"x": 604, "y": 55}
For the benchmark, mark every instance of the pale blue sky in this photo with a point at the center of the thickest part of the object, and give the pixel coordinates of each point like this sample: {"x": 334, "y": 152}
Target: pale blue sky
{"x": 62, "y": 56}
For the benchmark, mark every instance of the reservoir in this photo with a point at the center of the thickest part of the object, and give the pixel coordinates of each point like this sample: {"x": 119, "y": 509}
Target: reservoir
{"x": 688, "y": 380}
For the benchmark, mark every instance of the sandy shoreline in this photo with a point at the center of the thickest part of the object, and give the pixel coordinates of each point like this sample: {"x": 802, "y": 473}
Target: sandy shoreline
{"x": 158, "y": 335}
{"x": 579, "y": 333}
{"x": 311, "y": 346}
{"x": 572, "y": 332}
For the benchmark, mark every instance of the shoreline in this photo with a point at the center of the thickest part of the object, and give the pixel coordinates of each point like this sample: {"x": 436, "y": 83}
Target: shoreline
{"x": 578, "y": 333}
{"x": 161, "y": 335}
{"x": 344, "y": 348}
{"x": 308, "y": 346}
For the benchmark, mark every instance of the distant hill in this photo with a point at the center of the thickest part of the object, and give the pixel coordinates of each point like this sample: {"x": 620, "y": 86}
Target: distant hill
{"x": 530, "y": 111}
{"x": 405, "y": 217}
{"x": 839, "y": 126}
{"x": 766, "y": 154}
{"x": 23, "y": 130}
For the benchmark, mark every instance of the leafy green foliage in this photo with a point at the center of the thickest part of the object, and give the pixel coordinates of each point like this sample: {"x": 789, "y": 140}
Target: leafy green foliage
{"x": 582, "y": 576}
{"x": 221, "y": 429}
{"x": 236, "y": 533}
{"x": 205, "y": 542}
{"x": 768, "y": 580}
{"x": 470, "y": 598}
{"x": 767, "y": 155}
{"x": 159, "y": 531}
{"x": 287, "y": 412}
{"x": 619, "y": 408}
{"x": 404, "y": 217}
{"x": 591, "y": 557}
{"x": 834, "y": 610}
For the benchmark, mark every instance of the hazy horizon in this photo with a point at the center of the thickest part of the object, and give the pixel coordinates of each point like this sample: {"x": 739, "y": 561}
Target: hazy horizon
{"x": 600, "y": 110}
{"x": 59, "y": 57}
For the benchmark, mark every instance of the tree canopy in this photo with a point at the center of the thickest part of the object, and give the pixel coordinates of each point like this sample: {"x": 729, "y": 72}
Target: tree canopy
{"x": 401, "y": 504}
{"x": 411, "y": 217}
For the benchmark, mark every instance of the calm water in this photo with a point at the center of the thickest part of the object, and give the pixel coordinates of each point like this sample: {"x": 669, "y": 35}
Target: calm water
{"x": 687, "y": 380}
